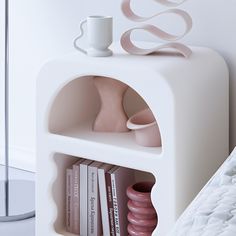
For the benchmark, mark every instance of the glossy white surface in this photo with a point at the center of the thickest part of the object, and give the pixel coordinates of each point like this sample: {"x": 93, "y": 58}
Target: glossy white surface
{"x": 19, "y": 228}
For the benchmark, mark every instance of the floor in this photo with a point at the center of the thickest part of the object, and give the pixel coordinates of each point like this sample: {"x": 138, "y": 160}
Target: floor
{"x": 19, "y": 228}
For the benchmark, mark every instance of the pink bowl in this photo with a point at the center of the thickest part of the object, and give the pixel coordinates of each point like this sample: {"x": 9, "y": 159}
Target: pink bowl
{"x": 146, "y": 129}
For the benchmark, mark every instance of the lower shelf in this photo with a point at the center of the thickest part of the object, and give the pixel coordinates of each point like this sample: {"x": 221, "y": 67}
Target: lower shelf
{"x": 63, "y": 162}
{"x": 123, "y": 139}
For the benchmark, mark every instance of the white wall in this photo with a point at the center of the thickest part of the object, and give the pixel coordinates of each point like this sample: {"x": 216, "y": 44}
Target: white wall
{"x": 45, "y": 28}
{"x": 1, "y": 79}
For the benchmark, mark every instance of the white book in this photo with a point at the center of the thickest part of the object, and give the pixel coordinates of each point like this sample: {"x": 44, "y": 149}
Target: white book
{"x": 121, "y": 178}
{"x": 94, "y": 209}
{"x": 84, "y": 197}
{"x": 103, "y": 197}
{"x": 76, "y": 197}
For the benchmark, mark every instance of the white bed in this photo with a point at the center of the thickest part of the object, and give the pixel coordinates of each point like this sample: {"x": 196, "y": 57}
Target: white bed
{"x": 213, "y": 212}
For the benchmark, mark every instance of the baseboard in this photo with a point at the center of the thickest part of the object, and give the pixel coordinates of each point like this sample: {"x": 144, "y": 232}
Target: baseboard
{"x": 21, "y": 158}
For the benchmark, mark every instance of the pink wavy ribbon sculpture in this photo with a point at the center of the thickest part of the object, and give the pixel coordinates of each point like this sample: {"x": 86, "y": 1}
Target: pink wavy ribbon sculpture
{"x": 131, "y": 48}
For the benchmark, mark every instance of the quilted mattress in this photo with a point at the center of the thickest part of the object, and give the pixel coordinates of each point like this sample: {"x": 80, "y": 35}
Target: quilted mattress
{"x": 213, "y": 212}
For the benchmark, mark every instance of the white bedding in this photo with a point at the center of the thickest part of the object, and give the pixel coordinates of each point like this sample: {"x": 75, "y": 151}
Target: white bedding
{"x": 213, "y": 212}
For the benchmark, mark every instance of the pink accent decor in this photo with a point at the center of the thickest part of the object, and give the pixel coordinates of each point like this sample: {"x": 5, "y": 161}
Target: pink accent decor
{"x": 111, "y": 117}
{"x": 146, "y": 129}
{"x": 128, "y": 12}
{"x": 142, "y": 215}
{"x": 131, "y": 48}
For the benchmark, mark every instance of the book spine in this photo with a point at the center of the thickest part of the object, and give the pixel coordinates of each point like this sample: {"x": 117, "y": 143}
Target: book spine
{"x": 75, "y": 200}
{"x": 92, "y": 201}
{"x": 83, "y": 200}
{"x": 110, "y": 204}
{"x": 69, "y": 200}
{"x": 103, "y": 201}
{"x": 115, "y": 205}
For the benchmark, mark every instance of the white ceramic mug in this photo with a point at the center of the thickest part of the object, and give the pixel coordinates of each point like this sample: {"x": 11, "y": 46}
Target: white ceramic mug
{"x": 100, "y": 36}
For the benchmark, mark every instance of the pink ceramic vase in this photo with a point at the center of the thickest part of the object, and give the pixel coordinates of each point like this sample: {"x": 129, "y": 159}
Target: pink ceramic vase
{"x": 146, "y": 129}
{"x": 142, "y": 215}
{"x": 111, "y": 117}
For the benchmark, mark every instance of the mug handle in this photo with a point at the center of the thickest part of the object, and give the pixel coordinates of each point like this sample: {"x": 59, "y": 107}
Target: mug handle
{"x": 82, "y": 23}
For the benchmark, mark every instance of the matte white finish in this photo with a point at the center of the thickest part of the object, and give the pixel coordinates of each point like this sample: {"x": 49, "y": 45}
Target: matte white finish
{"x": 189, "y": 98}
{"x": 42, "y": 29}
{"x": 99, "y": 36}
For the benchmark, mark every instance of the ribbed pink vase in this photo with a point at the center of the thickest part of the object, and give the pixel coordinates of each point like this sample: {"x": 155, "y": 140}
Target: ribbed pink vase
{"x": 142, "y": 215}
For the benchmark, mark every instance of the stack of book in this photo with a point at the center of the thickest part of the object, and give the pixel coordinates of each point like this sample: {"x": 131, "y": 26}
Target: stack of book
{"x": 96, "y": 201}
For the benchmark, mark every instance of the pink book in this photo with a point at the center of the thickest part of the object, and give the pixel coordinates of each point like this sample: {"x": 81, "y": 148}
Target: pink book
{"x": 69, "y": 200}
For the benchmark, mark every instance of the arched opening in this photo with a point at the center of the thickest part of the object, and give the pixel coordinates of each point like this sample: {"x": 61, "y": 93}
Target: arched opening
{"x": 76, "y": 107}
